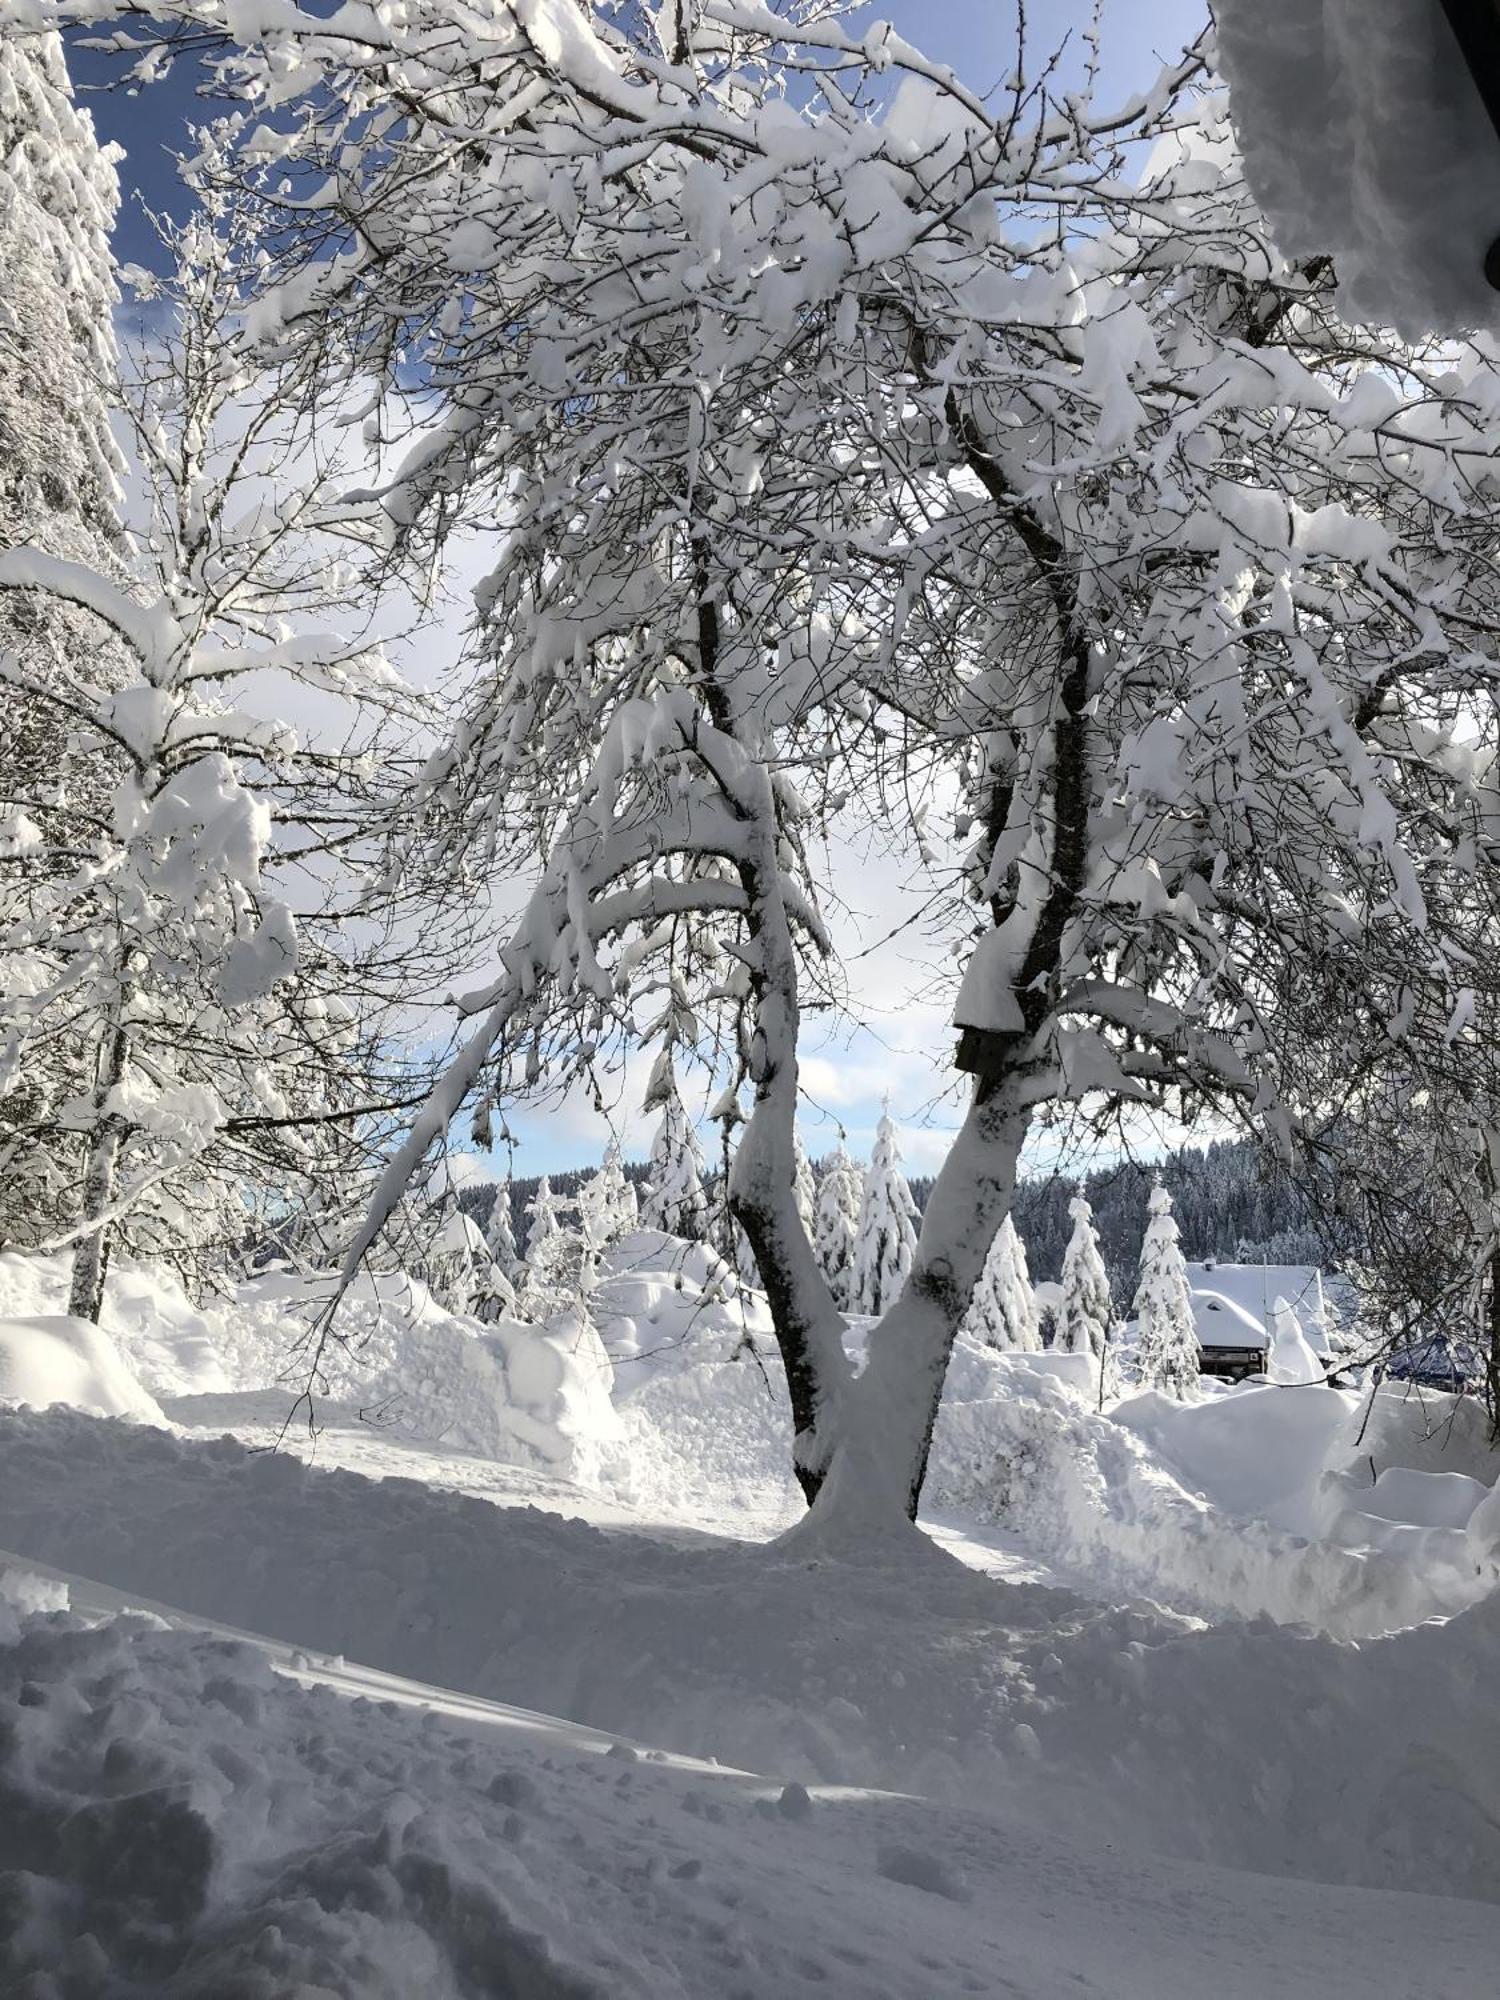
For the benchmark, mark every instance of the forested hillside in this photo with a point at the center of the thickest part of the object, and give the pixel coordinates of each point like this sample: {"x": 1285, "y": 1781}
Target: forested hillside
{"x": 1226, "y": 1202}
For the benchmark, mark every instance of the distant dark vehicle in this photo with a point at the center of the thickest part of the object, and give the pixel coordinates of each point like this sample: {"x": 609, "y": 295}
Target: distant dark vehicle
{"x": 1437, "y": 1363}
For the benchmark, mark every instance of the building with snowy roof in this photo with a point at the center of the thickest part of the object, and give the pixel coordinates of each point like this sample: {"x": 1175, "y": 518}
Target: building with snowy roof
{"x": 1234, "y": 1306}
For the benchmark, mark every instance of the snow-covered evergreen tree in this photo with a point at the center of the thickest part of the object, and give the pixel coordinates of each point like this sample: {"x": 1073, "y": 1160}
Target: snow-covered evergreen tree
{"x": 551, "y": 1277}
{"x": 841, "y": 1194}
{"x": 806, "y": 1187}
{"x": 1086, "y": 1312}
{"x": 1003, "y": 1311}
{"x": 887, "y": 1240}
{"x": 1167, "y": 1339}
{"x": 460, "y": 1272}
{"x": 500, "y": 1234}
{"x": 606, "y": 1211}
{"x": 675, "y": 1200}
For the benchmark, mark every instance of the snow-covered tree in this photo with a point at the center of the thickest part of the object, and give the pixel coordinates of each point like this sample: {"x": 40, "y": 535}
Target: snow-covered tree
{"x": 59, "y": 473}
{"x": 886, "y": 1244}
{"x": 1180, "y": 583}
{"x": 841, "y": 1194}
{"x": 551, "y": 1276}
{"x": 805, "y": 1187}
{"x": 1167, "y": 1338}
{"x": 500, "y": 1234}
{"x": 458, "y": 1268}
{"x": 1085, "y": 1315}
{"x": 1003, "y": 1312}
{"x": 674, "y": 1200}
{"x": 607, "y": 1210}
{"x": 161, "y": 944}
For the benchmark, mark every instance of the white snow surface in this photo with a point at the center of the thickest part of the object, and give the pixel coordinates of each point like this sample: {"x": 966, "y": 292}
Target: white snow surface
{"x": 1364, "y": 138}
{"x": 52, "y": 1358}
{"x": 1125, "y": 1746}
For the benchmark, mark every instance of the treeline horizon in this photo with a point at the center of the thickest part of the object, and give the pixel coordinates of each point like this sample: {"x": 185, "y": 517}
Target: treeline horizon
{"x": 1229, "y": 1207}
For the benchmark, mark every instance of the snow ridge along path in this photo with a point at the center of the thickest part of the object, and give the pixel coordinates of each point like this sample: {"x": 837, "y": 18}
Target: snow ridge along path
{"x": 1251, "y": 1746}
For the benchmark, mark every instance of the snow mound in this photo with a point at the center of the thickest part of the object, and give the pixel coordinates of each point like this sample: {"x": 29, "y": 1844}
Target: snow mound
{"x": 54, "y": 1359}
{"x": 175, "y": 1349}
{"x": 182, "y": 1821}
{"x": 1234, "y": 1506}
{"x": 901, "y": 1670}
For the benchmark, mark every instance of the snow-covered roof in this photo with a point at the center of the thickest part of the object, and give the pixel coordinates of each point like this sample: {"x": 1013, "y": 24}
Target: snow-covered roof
{"x": 1255, "y": 1288}
{"x": 1222, "y": 1322}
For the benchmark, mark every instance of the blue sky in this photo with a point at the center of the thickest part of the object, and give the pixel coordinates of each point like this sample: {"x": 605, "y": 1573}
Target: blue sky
{"x": 902, "y": 1043}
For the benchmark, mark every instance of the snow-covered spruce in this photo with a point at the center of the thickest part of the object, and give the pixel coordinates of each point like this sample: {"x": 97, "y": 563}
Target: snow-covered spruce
{"x": 1003, "y": 1311}
{"x": 674, "y": 1199}
{"x": 1085, "y": 1313}
{"x": 887, "y": 1240}
{"x": 1166, "y": 1338}
{"x": 841, "y": 1194}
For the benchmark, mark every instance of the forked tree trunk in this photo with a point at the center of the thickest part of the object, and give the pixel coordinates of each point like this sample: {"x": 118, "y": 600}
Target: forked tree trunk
{"x": 885, "y": 1434}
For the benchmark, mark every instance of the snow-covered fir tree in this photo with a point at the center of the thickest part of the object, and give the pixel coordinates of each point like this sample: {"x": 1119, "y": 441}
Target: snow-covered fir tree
{"x": 675, "y": 1200}
{"x": 1003, "y": 1311}
{"x": 841, "y": 1194}
{"x": 887, "y": 1241}
{"x": 500, "y": 1234}
{"x": 458, "y": 1267}
{"x": 552, "y": 1274}
{"x": 806, "y": 1186}
{"x": 1167, "y": 1339}
{"x": 1085, "y": 1314}
{"x": 606, "y": 1211}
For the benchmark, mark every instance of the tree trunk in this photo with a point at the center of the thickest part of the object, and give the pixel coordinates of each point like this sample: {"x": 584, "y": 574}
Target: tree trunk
{"x": 880, "y": 1458}
{"x": 91, "y": 1257}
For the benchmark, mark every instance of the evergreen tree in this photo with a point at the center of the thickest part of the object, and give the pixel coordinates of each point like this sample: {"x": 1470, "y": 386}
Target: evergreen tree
{"x": 500, "y": 1235}
{"x": 458, "y": 1268}
{"x": 1087, "y": 1311}
{"x": 887, "y": 1240}
{"x": 836, "y": 1225}
{"x": 1003, "y": 1311}
{"x": 606, "y": 1211}
{"x": 552, "y": 1275}
{"x": 675, "y": 1200}
{"x": 1167, "y": 1349}
{"x": 806, "y": 1187}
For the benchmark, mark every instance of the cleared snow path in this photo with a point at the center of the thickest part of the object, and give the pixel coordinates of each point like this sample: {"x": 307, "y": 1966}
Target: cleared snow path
{"x": 1250, "y": 1746}
{"x": 223, "y": 1830}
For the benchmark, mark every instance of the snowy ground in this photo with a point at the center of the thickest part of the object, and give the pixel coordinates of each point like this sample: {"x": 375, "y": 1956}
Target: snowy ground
{"x": 332, "y": 1766}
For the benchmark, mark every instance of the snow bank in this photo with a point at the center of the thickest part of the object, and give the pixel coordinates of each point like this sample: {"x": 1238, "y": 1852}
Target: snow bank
{"x": 531, "y": 1395}
{"x": 54, "y": 1359}
{"x": 1230, "y": 1507}
{"x": 699, "y": 1392}
{"x": 182, "y": 1821}
{"x": 903, "y": 1671}
{"x": 174, "y": 1348}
